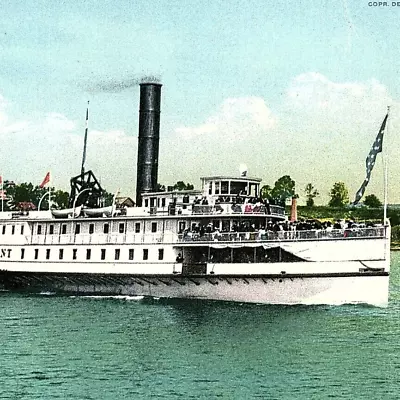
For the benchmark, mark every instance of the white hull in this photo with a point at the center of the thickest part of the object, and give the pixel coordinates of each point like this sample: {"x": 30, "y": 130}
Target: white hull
{"x": 289, "y": 290}
{"x": 268, "y": 283}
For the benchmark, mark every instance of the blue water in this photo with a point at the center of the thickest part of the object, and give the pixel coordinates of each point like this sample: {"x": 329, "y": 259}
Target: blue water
{"x": 117, "y": 348}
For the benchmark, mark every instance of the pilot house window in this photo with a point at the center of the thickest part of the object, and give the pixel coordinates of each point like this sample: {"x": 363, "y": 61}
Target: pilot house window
{"x": 106, "y": 228}
{"x": 154, "y": 227}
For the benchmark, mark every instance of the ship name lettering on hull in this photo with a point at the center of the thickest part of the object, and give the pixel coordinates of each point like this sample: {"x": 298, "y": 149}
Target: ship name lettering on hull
{"x": 5, "y": 253}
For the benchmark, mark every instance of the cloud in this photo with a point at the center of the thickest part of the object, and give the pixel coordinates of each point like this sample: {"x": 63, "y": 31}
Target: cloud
{"x": 235, "y": 119}
{"x": 321, "y": 106}
{"x": 7, "y": 127}
{"x": 55, "y": 122}
{"x": 54, "y": 143}
{"x": 313, "y": 90}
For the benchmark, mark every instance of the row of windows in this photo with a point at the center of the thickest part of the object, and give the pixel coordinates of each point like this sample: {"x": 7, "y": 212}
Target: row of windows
{"x": 3, "y": 230}
{"x": 106, "y": 228}
{"x": 117, "y": 254}
{"x": 153, "y": 202}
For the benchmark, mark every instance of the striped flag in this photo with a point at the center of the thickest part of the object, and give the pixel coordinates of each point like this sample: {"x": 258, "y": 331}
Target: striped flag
{"x": 46, "y": 180}
{"x": 370, "y": 161}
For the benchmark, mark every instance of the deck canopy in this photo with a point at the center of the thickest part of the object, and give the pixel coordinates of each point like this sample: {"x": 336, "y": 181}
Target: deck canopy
{"x": 231, "y": 186}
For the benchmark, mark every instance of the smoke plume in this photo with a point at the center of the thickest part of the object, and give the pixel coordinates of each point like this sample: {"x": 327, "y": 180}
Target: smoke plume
{"x": 118, "y": 85}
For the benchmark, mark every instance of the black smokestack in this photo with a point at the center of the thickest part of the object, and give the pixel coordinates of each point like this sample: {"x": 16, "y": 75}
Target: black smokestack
{"x": 149, "y": 137}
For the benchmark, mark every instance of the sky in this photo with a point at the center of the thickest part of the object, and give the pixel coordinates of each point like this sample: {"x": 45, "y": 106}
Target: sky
{"x": 295, "y": 88}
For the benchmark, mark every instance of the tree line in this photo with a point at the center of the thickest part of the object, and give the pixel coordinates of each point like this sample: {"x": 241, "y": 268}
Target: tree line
{"x": 284, "y": 189}
{"x": 26, "y": 196}
{"x": 18, "y": 196}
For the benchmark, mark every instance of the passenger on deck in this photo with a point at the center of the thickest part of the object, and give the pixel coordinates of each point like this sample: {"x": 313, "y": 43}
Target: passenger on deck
{"x": 217, "y": 235}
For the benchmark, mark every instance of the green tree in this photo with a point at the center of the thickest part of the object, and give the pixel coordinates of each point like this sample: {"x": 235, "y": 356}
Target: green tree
{"x": 372, "y": 201}
{"x": 107, "y": 198}
{"x": 266, "y": 192}
{"x": 26, "y": 192}
{"x": 284, "y": 189}
{"x": 60, "y": 198}
{"x": 339, "y": 195}
{"x": 311, "y": 193}
{"x": 180, "y": 185}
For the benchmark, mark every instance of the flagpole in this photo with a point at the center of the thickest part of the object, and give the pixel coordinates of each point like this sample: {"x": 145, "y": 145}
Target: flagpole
{"x": 50, "y": 192}
{"x": 85, "y": 141}
{"x": 385, "y": 161}
{"x": 2, "y": 194}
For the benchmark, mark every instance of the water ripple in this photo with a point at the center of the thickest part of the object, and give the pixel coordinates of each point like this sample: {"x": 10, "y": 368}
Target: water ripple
{"x": 121, "y": 347}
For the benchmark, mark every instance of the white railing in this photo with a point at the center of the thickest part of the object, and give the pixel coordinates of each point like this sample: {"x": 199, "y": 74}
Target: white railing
{"x": 284, "y": 235}
{"x": 230, "y": 209}
{"x": 113, "y": 238}
{"x": 154, "y": 238}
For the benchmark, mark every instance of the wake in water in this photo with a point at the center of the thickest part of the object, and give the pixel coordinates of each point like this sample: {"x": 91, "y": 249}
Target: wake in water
{"x": 127, "y": 298}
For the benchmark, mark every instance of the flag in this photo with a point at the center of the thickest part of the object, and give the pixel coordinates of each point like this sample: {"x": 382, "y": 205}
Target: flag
{"x": 46, "y": 180}
{"x": 3, "y": 195}
{"x": 370, "y": 161}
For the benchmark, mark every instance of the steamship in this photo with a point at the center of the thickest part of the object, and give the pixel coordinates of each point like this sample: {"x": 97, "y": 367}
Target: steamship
{"x": 216, "y": 243}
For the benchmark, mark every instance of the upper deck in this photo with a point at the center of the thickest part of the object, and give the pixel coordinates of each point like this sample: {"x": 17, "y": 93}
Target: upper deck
{"x": 220, "y": 195}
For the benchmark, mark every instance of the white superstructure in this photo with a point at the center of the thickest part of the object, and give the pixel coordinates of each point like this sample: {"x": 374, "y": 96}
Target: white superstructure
{"x": 220, "y": 243}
